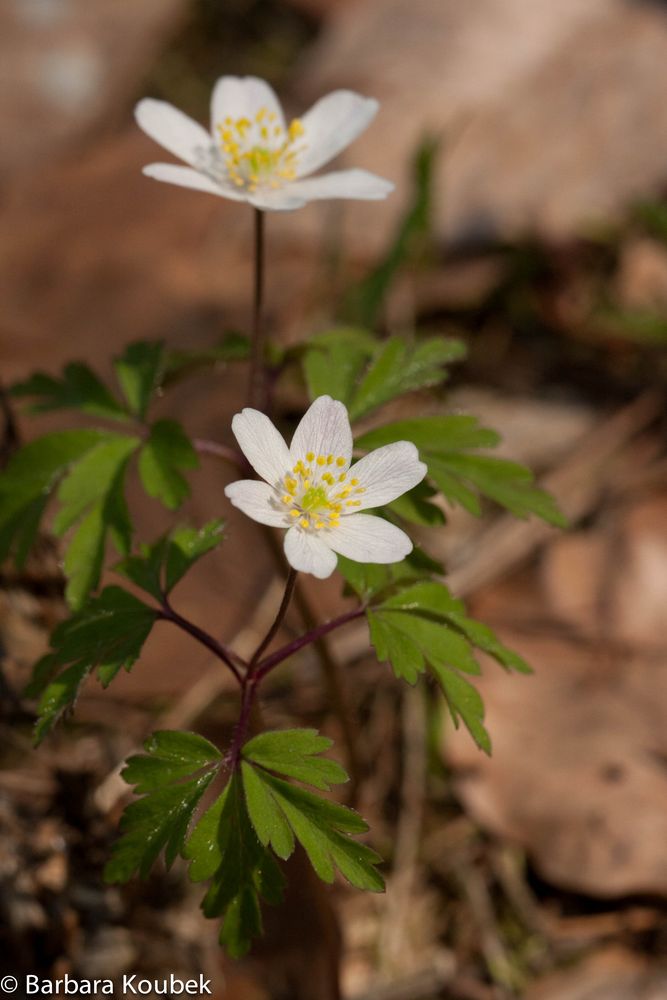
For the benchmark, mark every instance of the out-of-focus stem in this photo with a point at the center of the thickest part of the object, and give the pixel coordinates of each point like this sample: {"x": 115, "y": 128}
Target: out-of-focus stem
{"x": 257, "y": 376}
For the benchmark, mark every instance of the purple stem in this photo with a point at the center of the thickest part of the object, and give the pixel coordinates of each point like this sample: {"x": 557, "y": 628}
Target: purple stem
{"x": 228, "y": 454}
{"x": 167, "y": 613}
{"x": 252, "y": 678}
{"x": 265, "y": 666}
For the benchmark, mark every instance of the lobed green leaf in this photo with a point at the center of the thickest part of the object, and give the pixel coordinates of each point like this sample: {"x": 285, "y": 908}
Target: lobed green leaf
{"x": 167, "y": 451}
{"x": 78, "y": 389}
{"x": 159, "y": 567}
{"x": 107, "y": 634}
{"x": 139, "y": 371}
{"x": 445, "y": 443}
{"x": 223, "y": 847}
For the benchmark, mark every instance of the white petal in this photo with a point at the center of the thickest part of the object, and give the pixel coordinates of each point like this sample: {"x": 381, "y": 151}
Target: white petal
{"x": 257, "y": 500}
{"x": 333, "y": 123}
{"x": 262, "y": 444}
{"x": 242, "y": 97}
{"x": 325, "y": 430}
{"x": 173, "y": 130}
{"x": 172, "y": 173}
{"x": 342, "y": 184}
{"x": 281, "y": 200}
{"x": 368, "y": 539}
{"x": 387, "y": 473}
{"x": 309, "y": 554}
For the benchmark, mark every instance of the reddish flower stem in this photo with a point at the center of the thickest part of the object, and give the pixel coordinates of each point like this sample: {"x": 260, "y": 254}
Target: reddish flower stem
{"x": 265, "y": 666}
{"x": 251, "y": 680}
{"x": 167, "y": 613}
{"x": 205, "y": 447}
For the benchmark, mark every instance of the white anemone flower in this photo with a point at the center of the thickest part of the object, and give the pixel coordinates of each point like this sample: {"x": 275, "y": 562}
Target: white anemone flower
{"x": 252, "y": 154}
{"x": 312, "y": 490}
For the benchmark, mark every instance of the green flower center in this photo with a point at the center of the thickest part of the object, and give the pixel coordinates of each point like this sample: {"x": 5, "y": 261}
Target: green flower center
{"x": 315, "y": 498}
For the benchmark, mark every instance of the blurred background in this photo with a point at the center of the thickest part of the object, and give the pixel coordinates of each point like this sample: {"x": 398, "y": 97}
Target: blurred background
{"x": 528, "y": 142}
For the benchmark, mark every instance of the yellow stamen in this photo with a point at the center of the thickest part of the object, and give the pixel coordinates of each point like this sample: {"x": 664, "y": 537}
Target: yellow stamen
{"x": 340, "y": 461}
{"x": 294, "y": 513}
{"x": 310, "y": 457}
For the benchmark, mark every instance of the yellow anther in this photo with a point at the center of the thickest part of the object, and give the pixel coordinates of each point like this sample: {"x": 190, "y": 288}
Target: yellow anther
{"x": 354, "y": 482}
{"x": 261, "y": 114}
{"x": 294, "y": 513}
{"x": 353, "y": 503}
{"x": 328, "y": 478}
{"x": 264, "y": 132}
{"x": 362, "y": 489}
{"x": 319, "y": 524}
{"x": 342, "y": 477}
{"x": 304, "y": 522}
{"x": 295, "y": 129}
{"x": 287, "y": 498}
{"x": 290, "y": 485}
{"x": 321, "y": 459}
{"x": 340, "y": 461}
{"x": 344, "y": 493}
{"x": 329, "y": 459}
{"x": 306, "y": 483}
{"x": 310, "y": 457}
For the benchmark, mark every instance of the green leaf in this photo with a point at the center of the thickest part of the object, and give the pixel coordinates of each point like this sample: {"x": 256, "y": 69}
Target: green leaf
{"x": 92, "y": 493}
{"x": 139, "y": 371}
{"x": 370, "y": 579}
{"x": 174, "y": 774}
{"x": 422, "y": 623}
{"x": 186, "y": 546}
{"x": 451, "y": 432}
{"x": 167, "y": 451}
{"x": 91, "y": 479}
{"x": 29, "y": 480}
{"x": 268, "y": 821}
{"x": 170, "y": 756}
{"x": 333, "y": 362}
{"x": 281, "y": 812}
{"x": 108, "y": 634}
{"x": 323, "y": 828}
{"x": 464, "y": 703}
{"x": 445, "y": 444}
{"x": 159, "y": 567}
{"x": 224, "y": 848}
{"x": 78, "y": 389}
{"x": 412, "y": 238}
{"x": 179, "y": 364}
{"x": 416, "y": 507}
{"x": 394, "y": 646}
{"x": 398, "y": 367}
{"x": 295, "y": 753}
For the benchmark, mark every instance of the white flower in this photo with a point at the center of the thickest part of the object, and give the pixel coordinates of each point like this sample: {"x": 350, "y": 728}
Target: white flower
{"x": 310, "y": 489}
{"x": 251, "y": 154}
